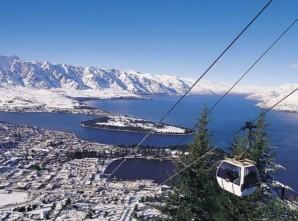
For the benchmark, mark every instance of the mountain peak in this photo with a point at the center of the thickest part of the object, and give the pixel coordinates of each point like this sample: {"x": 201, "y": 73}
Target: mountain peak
{"x": 7, "y": 61}
{"x": 44, "y": 75}
{"x": 10, "y": 57}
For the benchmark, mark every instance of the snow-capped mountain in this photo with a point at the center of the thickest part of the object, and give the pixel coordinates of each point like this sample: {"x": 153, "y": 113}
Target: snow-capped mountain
{"x": 269, "y": 96}
{"x": 42, "y": 84}
{"x": 44, "y": 75}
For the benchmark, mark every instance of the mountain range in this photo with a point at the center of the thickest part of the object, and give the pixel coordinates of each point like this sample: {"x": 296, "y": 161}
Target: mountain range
{"x": 44, "y": 75}
{"x": 20, "y": 80}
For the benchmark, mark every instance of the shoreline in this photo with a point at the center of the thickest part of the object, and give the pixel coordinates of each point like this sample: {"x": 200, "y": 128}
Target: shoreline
{"x": 84, "y": 99}
{"x": 141, "y": 132}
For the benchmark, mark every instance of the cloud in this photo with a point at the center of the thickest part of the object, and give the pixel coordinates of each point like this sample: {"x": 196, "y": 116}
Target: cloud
{"x": 294, "y": 66}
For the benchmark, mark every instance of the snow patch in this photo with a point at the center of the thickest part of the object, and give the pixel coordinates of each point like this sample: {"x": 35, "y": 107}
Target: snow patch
{"x": 42, "y": 84}
{"x": 12, "y": 198}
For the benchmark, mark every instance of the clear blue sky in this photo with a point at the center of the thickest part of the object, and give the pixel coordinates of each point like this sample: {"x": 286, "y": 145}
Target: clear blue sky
{"x": 156, "y": 36}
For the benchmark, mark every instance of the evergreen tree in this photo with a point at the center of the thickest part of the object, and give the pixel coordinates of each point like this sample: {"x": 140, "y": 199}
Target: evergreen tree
{"x": 264, "y": 203}
{"x": 261, "y": 152}
{"x": 239, "y": 147}
{"x": 195, "y": 194}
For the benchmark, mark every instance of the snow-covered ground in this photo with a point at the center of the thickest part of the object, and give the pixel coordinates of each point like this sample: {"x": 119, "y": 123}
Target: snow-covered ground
{"x": 269, "y": 96}
{"x": 12, "y": 198}
{"x": 135, "y": 124}
{"x": 46, "y": 87}
{"x": 22, "y": 98}
{"x": 31, "y": 98}
{"x": 95, "y": 93}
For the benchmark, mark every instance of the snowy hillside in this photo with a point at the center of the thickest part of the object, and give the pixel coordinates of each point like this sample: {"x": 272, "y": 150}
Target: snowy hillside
{"x": 43, "y": 85}
{"x": 19, "y": 98}
{"x": 16, "y": 72}
{"x": 124, "y": 123}
{"x": 269, "y": 96}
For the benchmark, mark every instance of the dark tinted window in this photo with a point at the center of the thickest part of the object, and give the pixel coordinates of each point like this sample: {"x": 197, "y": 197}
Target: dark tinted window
{"x": 229, "y": 172}
{"x": 250, "y": 177}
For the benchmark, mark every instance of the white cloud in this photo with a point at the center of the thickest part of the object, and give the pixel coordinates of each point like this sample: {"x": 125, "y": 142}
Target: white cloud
{"x": 294, "y": 66}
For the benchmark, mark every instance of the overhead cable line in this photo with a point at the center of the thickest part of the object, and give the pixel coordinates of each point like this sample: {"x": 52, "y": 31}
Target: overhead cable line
{"x": 195, "y": 83}
{"x": 247, "y": 71}
{"x": 251, "y": 67}
{"x": 277, "y": 103}
{"x": 187, "y": 166}
{"x": 211, "y": 150}
{"x": 269, "y": 109}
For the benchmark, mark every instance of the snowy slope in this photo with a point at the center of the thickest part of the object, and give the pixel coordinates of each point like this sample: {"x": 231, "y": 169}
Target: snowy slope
{"x": 269, "y": 96}
{"x": 119, "y": 122}
{"x": 12, "y": 98}
{"x": 16, "y": 72}
{"x": 12, "y": 198}
{"x": 56, "y": 85}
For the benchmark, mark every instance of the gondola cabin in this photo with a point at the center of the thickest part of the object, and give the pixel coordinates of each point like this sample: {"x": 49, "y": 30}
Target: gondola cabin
{"x": 240, "y": 177}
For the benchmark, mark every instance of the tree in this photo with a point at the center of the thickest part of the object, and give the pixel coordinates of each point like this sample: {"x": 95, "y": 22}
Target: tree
{"x": 261, "y": 152}
{"x": 257, "y": 149}
{"x": 195, "y": 195}
{"x": 239, "y": 146}
{"x": 264, "y": 204}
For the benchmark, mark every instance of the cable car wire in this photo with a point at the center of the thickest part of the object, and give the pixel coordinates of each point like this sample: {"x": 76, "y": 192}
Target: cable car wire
{"x": 269, "y": 109}
{"x": 209, "y": 151}
{"x": 251, "y": 67}
{"x": 277, "y": 103}
{"x": 187, "y": 166}
{"x": 246, "y": 72}
{"x": 195, "y": 83}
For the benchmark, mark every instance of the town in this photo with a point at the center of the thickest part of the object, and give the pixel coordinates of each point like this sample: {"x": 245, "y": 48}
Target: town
{"x": 45, "y": 175}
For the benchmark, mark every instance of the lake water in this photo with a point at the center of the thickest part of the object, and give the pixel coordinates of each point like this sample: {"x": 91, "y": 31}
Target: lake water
{"x": 71, "y": 123}
{"x": 226, "y": 119}
{"x": 152, "y": 169}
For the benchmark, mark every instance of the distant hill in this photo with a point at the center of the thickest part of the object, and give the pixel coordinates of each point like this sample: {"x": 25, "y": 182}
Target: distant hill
{"x": 44, "y": 75}
{"x": 77, "y": 81}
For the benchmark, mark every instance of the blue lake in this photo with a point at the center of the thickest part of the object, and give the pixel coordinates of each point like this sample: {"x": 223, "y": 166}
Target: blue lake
{"x": 226, "y": 119}
{"x": 152, "y": 169}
